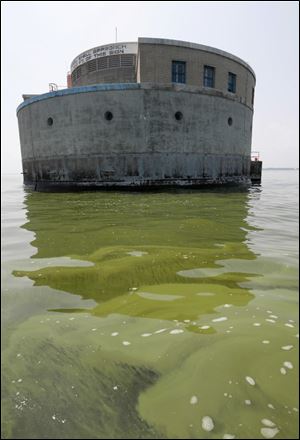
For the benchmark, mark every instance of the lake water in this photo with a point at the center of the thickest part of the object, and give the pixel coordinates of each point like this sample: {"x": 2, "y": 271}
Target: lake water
{"x": 140, "y": 315}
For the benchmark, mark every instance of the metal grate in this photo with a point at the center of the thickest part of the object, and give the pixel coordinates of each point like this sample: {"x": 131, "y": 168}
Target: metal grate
{"x": 76, "y": 74}
{"x": 92, "y": 66}
{"x": 102, "y": 63}
{"x": 108, "y": 62}
{"x": 127, "y": 60}
{"x": 114, "y": 61}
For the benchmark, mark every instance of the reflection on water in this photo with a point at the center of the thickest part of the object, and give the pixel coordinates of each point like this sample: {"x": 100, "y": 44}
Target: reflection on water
{"x": 167, "y": 243}
{"x": 137, "y": 315}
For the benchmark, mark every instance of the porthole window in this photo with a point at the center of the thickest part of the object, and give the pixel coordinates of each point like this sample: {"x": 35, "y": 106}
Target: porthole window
{"x": 50, "y": 121}
{"x": 178, "y": 116}
{"x": 108, "y": 116}
{"x": 229, "y": 121}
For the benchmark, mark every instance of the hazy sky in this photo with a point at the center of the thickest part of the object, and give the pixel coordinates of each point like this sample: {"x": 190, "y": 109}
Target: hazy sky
{"x": 40, "y": 39}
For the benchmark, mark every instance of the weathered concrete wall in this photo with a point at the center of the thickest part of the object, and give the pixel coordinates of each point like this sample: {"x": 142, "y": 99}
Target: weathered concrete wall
{"x": 143, "y": 144}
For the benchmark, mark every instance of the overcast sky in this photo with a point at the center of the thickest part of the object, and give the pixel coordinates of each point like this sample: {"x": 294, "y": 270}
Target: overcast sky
{"x": 40, "y": 39}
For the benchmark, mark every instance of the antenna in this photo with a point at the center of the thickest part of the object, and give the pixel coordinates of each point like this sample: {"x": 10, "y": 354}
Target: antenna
{"x": 116, "y": 34}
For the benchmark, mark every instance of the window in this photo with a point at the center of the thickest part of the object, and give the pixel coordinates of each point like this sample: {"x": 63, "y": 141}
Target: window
{"x": 209, "y": 76}
{"x": 231, "y": 82}
{"x": 178, "y": 71}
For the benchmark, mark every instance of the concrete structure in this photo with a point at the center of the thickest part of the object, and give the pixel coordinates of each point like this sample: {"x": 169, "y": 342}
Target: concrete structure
{"x": 152, "y": 113}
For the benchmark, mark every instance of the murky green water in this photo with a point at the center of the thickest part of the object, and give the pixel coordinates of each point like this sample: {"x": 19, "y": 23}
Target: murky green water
{"x": 131, "y": 315}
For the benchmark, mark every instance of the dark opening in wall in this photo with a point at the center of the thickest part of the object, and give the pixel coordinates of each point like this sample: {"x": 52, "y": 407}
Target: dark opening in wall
{"x": 229, "y": 121}
{"x": 178, "y": 116}
{"x": 108, "y": 116}
{"x": 50, "y": 121}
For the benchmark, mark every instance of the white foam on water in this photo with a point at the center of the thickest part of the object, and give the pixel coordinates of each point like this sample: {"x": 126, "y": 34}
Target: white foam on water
{"x": 20, "y": 380}
{"x": 126, "y": 343}
{"x": 194, "y": 400}
{"x": 187, "y": 320}
{"x": 176, "y": 331}
{"x": 248, "y": 402}
{"x": 161, "y": 330}
{"x": 225, "y": 394}
{"x": 270, "y": 406}
{"x": 19, "y": 355}
{"x": 227, "y": 305}
{"x": 257, "y": 324}
{"x": 115, "y": 387}
{"x": 53, "y": 417}
{"x": 282, "y": 370}
{"x": 269, "y": 432}
{"x": 265, "y": 341}
{"x": 228, "y": 436}
{"x": 250, "y": 380}
{"x": 268, "y": 423}
{"x": 269, "y": 311}
{"x": 274, "y": 316}
{"x": 296, "y": 409}
{"x": 222, "y": 318}
{"x": 287, "y": 347}
{"x": 114, "y": 334}
{"x": 146, "y": 335}
{"x": 271, "y": 320}
{"x": 94, "y": 329}
{"x": 291, "y": 320}
{"x": 289, "y": 325}
{"x": 204, "y": 327}
{"x": 71, "y": 319}
{"x": 136, "y": 253}
{"x": 207, "y": 423}
{"x": 288, "y": 365}
{"x": 205, "y": 294}
{"x": 297, "y": 335}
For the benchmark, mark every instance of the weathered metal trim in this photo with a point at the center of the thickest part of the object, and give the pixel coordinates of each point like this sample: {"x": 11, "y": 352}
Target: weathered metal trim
{"x": 76, "y": 90}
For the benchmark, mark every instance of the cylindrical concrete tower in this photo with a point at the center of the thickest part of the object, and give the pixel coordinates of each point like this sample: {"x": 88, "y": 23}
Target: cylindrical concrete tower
{"x": 152, "y": 113}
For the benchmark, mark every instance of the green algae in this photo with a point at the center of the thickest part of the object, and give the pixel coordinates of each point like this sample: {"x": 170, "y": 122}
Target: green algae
{"x": 160, "y": 269}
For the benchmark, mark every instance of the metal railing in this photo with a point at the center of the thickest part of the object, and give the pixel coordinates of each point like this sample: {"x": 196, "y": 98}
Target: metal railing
{"x": 255, "y": 155}
{"x": 54, "y": 87}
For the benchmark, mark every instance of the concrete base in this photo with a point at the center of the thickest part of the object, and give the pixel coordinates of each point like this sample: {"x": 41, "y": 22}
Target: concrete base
{"x": 141, "y": 185}
{"x": 67, "y": 141}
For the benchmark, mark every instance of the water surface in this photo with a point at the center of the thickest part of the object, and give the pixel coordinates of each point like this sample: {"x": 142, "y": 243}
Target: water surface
{"x": 135, "y": 315}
